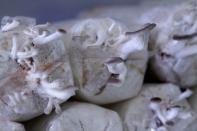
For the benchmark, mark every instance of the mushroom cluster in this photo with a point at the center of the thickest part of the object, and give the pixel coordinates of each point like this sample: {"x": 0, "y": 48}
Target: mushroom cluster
{"x": 166, "y": 113}
{"x": 21, "y": 39}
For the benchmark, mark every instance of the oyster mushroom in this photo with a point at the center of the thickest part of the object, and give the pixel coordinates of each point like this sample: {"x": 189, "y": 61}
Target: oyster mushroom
{"x": 156, "y": 109}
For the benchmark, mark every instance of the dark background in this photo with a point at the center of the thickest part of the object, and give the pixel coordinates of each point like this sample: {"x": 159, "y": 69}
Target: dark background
{"x": 54, "y": 10}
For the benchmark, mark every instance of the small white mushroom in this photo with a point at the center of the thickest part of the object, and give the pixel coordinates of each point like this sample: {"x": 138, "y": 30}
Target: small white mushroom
{"x": 136, "y": 43}
{"x": 184, "y": 95}
{"x": 133, "y": 41}
{"x": 56, "y": 96}
{"x": 155, "y": 103}
{"x": 54, "y": 91}
{"x": 94, "y": 29}
{"x": 117, "y": 66}
{"x": 156, "y": 107}
{"x": 43, "y": 39}
{"x": 172, "y": 113}
{"x": 34, "y": 31}
{"x": 10, "y": 26}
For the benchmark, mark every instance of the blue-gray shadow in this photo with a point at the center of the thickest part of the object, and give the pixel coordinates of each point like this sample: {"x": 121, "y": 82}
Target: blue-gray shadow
{"x": 53, "y": 10}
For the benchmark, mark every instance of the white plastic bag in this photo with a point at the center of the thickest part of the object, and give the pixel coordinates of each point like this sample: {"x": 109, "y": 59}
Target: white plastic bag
{"x": 77, "y": 116}
{"x": 108, "y": 60}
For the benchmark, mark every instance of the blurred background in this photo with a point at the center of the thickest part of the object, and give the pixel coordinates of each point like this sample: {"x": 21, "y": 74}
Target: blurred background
{"x": 54, "y": 10}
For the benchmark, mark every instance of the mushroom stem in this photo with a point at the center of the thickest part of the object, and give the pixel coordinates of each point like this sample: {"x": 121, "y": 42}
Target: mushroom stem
{"x": 160, "y": 116}
{"x": 184, "y": 95}
{"x": 14, "y": 47}
{"x": 49, "y": 107}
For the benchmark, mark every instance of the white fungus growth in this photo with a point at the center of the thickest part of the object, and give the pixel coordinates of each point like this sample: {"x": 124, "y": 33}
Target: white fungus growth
{"x": 108, "y": 33}
{"x": 94, "y": 29}
{"x": 54, "y": 91}
{"x": 10, "y": 26}
{"x": 166, "y": 114}
{"x": 99, "y": 31}
{"x": 133, "y": 41}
